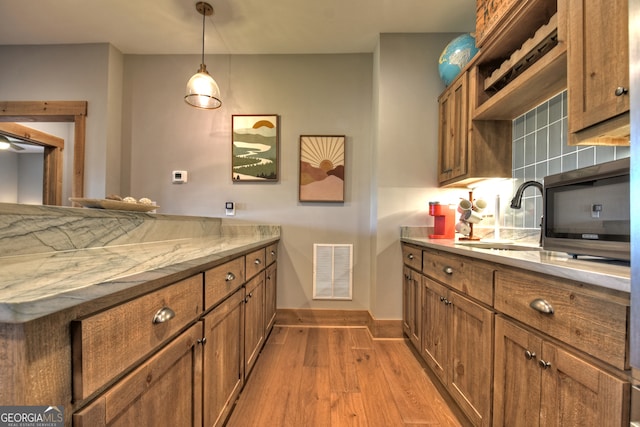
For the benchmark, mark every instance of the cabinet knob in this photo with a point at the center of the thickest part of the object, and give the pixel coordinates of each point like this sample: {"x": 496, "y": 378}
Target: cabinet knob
{"x": 621, "y": 90}
{"x": 203, "y": 340}
{"x": 273, "y": 253}
{"x": 541, "y": 306}
{"x": 257, "y": 262}
{"x": 448, "y": 270}
{"x": 529, "y": 355}
{"x": 230, "y": 277}
{"x": 410, "y": 256}
{"x": 543, "y": 364}
{"x": 164, "y": 315}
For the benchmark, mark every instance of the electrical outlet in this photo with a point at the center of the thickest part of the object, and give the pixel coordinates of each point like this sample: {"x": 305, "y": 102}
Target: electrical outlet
{"x": 229, "y": 208}
{"x": 179, "y": 177}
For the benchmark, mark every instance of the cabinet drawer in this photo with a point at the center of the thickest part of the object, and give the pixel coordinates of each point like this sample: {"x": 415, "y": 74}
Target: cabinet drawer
{"x": 222, "y": 281}
{"x": 106, "y": 344}
{"x": 412, "y": 256}
{"x": 255, "y": 262}
{"x": 592, "y": 322}
{"x": 272, "y": 253}
{"x": 471, "y": 277}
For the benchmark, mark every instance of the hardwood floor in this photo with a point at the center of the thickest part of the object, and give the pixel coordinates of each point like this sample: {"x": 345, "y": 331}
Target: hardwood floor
{"x": 337, "y": 376}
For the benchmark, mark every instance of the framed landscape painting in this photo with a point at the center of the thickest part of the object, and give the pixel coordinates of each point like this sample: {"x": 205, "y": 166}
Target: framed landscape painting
{"x": 255, "y": 147}
{"x": 322, "y": 168}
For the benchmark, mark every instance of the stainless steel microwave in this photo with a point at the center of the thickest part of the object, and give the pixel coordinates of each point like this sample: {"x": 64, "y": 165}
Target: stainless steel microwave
{"x": 586, "y": 211}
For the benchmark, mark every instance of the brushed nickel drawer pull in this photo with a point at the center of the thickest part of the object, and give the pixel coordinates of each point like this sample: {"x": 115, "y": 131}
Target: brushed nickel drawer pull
{"x": 448, "y": 270}
{"x": 542, "y": 306}
{"x": 230, "y": 277}
{"x": 410, "y": 256}
{"x": 164, "y": 315}
{"x": 621, "y": 90}
{"x": 543, "y": 364}
{"x": 529, "y": 355}
{"x": 257, "y": 262}
{"x": 273, "y": 253}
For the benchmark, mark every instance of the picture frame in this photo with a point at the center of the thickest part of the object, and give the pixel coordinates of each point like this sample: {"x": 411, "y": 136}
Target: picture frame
{"x": 255, "y": 147}
{"x": 322, "y": 168}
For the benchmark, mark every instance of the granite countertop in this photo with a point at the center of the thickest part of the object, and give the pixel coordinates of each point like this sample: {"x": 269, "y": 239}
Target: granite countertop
{"x": 55, "y": 258}
{"x": 592, "y": 270}
{"x": 32, "y": 286}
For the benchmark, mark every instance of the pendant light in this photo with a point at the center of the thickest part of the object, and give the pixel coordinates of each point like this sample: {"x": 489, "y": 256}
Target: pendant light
{"x": 202, "y": 89}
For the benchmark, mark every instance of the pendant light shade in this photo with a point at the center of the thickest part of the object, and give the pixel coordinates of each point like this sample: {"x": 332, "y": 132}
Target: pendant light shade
{"x": 202, "y": 89}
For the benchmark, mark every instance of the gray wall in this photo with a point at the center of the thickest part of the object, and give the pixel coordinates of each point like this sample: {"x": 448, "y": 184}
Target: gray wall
{"x": 385, "y": 104}
{"x": 72, "y": 73}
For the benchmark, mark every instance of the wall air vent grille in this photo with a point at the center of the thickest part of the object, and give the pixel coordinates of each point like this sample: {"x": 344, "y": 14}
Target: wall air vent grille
{"x": 332, "y": 271}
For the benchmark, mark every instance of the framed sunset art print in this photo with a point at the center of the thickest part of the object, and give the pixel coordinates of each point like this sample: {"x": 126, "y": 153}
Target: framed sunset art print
{"x": 322, "y": 168}
{"x": 255, "y": 147}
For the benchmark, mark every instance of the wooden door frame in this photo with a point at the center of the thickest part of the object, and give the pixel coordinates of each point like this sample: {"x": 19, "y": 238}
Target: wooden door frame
{"x": 54, "y": 111}
{"x": 52, "y": 165}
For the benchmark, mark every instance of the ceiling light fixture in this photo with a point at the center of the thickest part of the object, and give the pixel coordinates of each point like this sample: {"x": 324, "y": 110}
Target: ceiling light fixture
{"x": 202, "y": 89}
{"x": 5, "y": 144}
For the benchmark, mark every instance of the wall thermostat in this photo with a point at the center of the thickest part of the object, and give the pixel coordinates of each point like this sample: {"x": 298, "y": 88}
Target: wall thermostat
{"x": 229, "y": 208}
{"x": 179, "y": 177}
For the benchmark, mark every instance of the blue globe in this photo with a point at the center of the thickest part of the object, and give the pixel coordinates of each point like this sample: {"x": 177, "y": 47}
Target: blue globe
{"x": 455, "y": 56}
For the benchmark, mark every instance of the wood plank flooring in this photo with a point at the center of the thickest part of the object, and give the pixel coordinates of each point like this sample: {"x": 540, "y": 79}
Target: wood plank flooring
{"x": 336, "y": 376}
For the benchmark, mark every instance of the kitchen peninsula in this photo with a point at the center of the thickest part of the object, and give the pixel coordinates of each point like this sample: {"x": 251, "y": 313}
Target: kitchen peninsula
{"x": 97, "y": 303}
{"x": 520, "y": 331}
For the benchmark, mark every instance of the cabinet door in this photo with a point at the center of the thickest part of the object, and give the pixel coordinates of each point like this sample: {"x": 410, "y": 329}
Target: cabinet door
{"x": 165, "y": 390}
{"x": 434, "y": 327}
{"x": 270, "y": 296}
{"x": 598, "y": 61}
{"x": 406, "y": 301}
{"x": 223, "y": 360}
{"x": 412, "y": 307}
{"x": 470, "y": 357}
{"x": 415, "y": 310}
{"x": 516, "y": 400}
{"x": 254, "y": 321}
{"x": 453, "y": 132}
{"x": 576, "y": 393}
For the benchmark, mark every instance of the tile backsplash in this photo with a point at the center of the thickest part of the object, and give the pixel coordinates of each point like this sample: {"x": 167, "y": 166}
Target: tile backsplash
{"x": 539, "y": 149}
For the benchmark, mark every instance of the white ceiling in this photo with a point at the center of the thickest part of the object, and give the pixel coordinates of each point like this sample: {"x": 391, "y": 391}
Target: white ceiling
{"x": 237, "y": 26}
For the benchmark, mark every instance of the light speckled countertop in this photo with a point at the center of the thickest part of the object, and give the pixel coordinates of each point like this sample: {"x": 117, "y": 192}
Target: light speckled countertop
{"x": 54, "y": 258}
{"x": 592, "y": 270}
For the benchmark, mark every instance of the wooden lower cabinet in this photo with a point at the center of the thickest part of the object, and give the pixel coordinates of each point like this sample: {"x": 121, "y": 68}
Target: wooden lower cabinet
{"x": 223, "y": 358}
{"x": 457, "y": 345}
{"x": 164, "y": 390}
{"x": 270, "y": 297}
{"x": 538, "y": 383}
{"x": 412, "y": 306}
{"x": 254, "y": 331}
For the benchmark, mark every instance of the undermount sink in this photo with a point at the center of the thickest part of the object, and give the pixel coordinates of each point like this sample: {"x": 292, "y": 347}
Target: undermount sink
{"x": 501, "y": 246}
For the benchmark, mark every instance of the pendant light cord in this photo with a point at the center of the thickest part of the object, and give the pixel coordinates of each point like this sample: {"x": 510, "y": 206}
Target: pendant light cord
{"x": 203, "y": 16}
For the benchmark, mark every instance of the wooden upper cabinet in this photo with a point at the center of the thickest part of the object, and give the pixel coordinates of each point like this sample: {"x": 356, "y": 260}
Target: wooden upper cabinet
{"x": 469, "y": 151}
{"x": 452, "y": 135}
{"x": 598, "y": 70}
